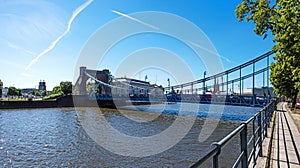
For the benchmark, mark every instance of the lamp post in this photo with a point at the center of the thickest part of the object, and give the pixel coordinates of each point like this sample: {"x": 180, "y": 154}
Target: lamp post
{"x": 169, "y": 84}
{"x": 204, "y": 90}
{"x": 146, "y": 77}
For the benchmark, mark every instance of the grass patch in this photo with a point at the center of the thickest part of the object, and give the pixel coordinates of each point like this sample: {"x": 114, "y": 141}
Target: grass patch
{"x": 14, "y": 99}
{"x": 295, "y": 111}
{"x": 52, "y": 96}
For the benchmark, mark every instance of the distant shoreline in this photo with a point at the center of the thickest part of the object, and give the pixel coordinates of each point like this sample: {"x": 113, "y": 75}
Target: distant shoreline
{"x": 66, "y": 101}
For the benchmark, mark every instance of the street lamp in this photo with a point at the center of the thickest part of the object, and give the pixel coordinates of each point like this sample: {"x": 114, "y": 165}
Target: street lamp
{"x": 146, "y": 77}
{"x": 204, "y": 90}
{"x": 169, "y": 85}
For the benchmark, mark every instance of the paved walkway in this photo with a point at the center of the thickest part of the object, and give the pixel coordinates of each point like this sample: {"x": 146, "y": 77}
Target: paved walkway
{"x": 286, "y": 141}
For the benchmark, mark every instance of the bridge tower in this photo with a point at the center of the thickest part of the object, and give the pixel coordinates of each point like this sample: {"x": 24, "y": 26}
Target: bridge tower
{"x": 82, "y": 79}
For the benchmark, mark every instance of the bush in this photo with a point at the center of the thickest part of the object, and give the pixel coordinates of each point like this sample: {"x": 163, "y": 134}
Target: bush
{"x": 53, "y": 96}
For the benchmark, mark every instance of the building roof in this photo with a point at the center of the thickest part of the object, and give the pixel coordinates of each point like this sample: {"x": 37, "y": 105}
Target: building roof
{"x": 130, "y": 80}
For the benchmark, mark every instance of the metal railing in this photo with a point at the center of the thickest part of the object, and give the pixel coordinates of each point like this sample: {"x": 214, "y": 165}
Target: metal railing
{"x": 258, "y": 101}
{"x": 250, "y": 139}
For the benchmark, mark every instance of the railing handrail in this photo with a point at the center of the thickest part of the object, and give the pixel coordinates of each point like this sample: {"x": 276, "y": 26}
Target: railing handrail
{"x": 216, "y": 147}
{"x": 231, "y": 135}
{"x": 211, "y": 153}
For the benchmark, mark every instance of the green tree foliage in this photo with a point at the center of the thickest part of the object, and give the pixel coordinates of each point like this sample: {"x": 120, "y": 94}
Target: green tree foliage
{"x": 12, "y": 91}
{"x": 99, "y": 89}
{"x": 57, "y": 90}
{"x": 31, "y": 92}
{"x": 1, "y": 87}
{"x": 282, "y": 20}
{"x": 63, "y": 88}
{"x": 66, "y": 87}
{"x": 52, "y": 96}
{"x": 38, "y": 93}
{"x": 89, "y": 88}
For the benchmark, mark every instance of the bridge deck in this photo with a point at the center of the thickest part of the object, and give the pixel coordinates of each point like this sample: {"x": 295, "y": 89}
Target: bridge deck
{"x": 286, "y": 141}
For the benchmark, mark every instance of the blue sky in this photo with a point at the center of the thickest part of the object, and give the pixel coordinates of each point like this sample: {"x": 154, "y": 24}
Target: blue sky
{"x": 42, "y": 40}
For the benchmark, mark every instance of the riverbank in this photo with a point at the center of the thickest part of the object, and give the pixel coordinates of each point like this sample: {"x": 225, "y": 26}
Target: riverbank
{"x": 70, "y": 101}
{"x": 66, "y": 101}
{"x": 28, "y": 104}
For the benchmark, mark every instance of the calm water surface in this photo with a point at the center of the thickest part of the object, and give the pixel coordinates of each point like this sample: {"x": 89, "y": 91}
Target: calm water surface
{"x": 55, "y": 138}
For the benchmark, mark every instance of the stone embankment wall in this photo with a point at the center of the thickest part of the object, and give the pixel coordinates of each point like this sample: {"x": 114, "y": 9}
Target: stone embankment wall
{"x": 66, "y": 101}
{"x": 27, "y": 104}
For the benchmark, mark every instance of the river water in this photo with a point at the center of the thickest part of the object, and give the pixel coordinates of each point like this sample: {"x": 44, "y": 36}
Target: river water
{"x": 59, "y": 137}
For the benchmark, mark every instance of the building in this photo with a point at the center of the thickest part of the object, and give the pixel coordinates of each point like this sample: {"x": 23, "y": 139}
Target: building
{"x": 42, "y": 85}
{"x": 27, "y": 90}
{"x": 86, "y": 74}
{"x": 132, "y": 87}
{"x": 136, "y": 87}
{"x": 4, "y": 91}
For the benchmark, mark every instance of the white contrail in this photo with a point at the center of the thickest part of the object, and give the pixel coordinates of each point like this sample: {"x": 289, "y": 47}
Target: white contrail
{"x": 135, "y": 19}
{"x": 53, "y": 44}
{"x": 212, "y": 52}
{"x": 11, "y": 45}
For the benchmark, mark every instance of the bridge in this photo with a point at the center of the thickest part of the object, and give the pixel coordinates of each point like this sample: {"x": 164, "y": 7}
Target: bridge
{"x": 267, "y": 139}
{"x": 217, "y": 88}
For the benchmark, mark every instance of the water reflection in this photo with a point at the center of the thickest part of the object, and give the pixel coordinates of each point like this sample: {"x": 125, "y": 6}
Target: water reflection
{"x": 55, "y": 138}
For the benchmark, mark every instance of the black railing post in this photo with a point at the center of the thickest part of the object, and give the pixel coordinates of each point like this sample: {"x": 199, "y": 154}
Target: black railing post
{"x": 259, "y": 134}
{"x": 254, "y": 140}
{"x": 269, "y": 112}
{"x": 265, "y": 122}
{"x": 215, "y": 160}
{"x": 275, "y": 106}
{"x": 243, "y": 137}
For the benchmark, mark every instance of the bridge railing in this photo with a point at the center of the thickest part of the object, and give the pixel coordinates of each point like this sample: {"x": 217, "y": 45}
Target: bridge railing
{"x": 258, "y": 101}
{"x": 250, "y": 139}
